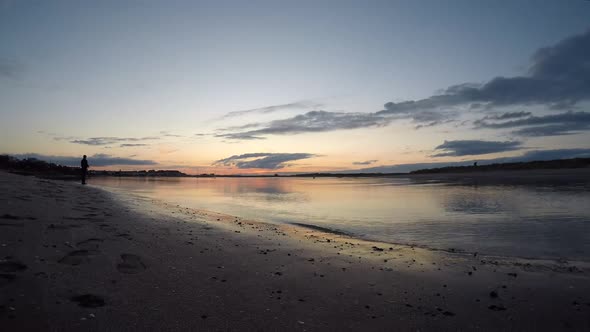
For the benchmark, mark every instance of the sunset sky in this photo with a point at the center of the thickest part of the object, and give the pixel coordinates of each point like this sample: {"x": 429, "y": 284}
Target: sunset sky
{"x": 294, "y": 86}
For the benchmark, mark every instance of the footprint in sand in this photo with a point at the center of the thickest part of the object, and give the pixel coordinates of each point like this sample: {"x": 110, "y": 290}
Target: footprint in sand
{"x": 90, "y": 244}
{"x": 77, "y": 257}
{"x": 76, "y": 218}
{"x": 107, "y": 228}
{"x": 12, "y": 224}
{"x": 131, "y": 264}
{"x": 62, "y": 226}
{"x": 12, "y": 266}
{"x": 10, "y": 217}
{"x": 125, "y": 235}
{"x": 6, "y": 278}
{"x": 88, "y": 300}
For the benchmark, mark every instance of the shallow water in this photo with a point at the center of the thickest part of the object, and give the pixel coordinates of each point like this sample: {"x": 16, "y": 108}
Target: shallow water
{"x": 534, "y": 221}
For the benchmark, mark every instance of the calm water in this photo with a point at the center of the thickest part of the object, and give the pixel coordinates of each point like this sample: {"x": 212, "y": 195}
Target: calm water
{"x": 510, "y": 220}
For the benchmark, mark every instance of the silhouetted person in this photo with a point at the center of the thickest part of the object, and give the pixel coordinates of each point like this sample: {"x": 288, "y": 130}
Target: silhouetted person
{"x": 475, "y": 164}
{"x": 84, "y": 166}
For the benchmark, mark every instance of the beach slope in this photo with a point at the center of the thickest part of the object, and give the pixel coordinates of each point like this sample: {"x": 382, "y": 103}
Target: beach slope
{"x": 76, "y": 257}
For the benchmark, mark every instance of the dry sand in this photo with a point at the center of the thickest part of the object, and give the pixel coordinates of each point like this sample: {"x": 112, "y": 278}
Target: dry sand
{"x": 78, "y": 258}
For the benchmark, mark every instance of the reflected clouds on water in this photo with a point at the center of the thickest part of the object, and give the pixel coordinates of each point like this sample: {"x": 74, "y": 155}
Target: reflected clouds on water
{"x": 515, "y": 218}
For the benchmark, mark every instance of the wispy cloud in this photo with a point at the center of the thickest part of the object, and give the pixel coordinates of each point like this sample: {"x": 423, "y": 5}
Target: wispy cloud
{"x": 111, "y": 140}
{"x": 165, "y": 133}
{"x": 366, "y": 162}
{"x": 553, "y": 130}
{"x": 566, "y": 123}
{"x": 559, "y": 77}
{"x": 94, "y": 160}
{"x": 274, "y": 108}
{"x": 527, "y": 156}
{"x": 108, "y": 140}
{"x": 506, "y": 116}
{"x": 552, "y": 154}
{"x": 129, "y": 145}
{"x": 262, "y": 160}
{"x": 474, "y": 147}
{"x": 314, "y": 121}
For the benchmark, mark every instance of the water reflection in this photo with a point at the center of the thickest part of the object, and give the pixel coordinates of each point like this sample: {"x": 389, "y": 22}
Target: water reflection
{"x": 507, "y": 219}
{"x": 267, "y": 189}
{"x": 475, "y": 202}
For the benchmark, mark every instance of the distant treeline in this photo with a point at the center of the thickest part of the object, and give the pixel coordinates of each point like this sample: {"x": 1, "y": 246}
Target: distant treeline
{"x": 530, "y": 165}
{"x": 345, "y": 175}
{"x": 33, "y": 166}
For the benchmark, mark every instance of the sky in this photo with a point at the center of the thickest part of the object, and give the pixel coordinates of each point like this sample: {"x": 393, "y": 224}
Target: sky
{"x": 232, "y": 87}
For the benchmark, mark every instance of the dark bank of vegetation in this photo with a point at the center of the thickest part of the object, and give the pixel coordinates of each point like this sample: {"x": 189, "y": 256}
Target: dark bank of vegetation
{"x": 40, "y": 168}
{"x": 520, "y": 166}
{"x": 303, "y": 175}
{"x": 346, "y": 175}
{"x": 36, "y": 167}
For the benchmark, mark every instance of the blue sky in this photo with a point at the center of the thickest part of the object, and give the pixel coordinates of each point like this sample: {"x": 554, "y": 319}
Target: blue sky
{"x": 71, "y": 71}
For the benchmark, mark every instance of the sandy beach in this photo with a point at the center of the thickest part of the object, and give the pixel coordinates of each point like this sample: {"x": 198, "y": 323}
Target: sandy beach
{"x": 80, "y": 258}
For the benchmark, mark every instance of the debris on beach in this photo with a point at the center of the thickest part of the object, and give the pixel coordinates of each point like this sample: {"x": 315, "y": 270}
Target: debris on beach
{"x": 89, "y": 300}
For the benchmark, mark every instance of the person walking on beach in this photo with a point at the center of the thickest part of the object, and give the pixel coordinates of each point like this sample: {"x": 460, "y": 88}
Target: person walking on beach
{"x": 84, "y": 166}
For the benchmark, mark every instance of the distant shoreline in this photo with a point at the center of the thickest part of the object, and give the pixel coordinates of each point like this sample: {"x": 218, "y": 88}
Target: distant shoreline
{"x": 39, "y": 168}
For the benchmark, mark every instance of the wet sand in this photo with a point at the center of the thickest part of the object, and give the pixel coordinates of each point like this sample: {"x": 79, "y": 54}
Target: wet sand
{"x": 76, "y": 257}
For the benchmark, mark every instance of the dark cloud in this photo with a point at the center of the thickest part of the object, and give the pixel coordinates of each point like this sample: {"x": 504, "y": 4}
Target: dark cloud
{"x": 553, "y": 130}
{"x": 566, "y": 123}
{"x": 559, "y": 76}
{"x": 322, "y": 121}
{"x": 474, "y": 147}
{"x": 314, "y": 121}
{"x": 444, "y": 118}
{"x": 507, "y": 116}
{"x": 552, "y": 154}
{"x": 274, "y": 108}
{"x": 367, "y": 162}
{"x": 10, "y": 69}
{"x": 427, "y": 112}
{"x": 262, "y": 160}
{"x": 99, "y": 159}
{"x": 108, "y": 140}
